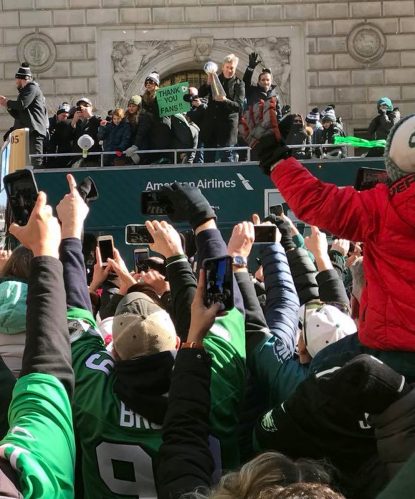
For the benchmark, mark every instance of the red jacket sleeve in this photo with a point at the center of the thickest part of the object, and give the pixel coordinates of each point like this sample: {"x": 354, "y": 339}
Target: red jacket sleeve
{"x": 343, "y": 211}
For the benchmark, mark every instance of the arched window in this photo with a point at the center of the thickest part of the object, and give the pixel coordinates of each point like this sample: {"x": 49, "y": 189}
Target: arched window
{"x": 195, "y": 78}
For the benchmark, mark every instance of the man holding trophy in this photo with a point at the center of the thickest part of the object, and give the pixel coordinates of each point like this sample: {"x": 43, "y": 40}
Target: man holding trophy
{"x": 226, "y": 94}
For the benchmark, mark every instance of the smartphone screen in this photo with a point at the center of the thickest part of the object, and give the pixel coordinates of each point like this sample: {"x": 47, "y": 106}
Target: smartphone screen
{"x": 106, "y": 247}
{"x": 140, "y": 260}
{"x": 219, "y": 282}
{"x": 264, "y": 234}
{"x": 277, "y": 210}
{"x": 137, "y": 234}
{"x": 368, "y": 177}
{"x": 21, "y": 190}
{"x": 155, "y": 203}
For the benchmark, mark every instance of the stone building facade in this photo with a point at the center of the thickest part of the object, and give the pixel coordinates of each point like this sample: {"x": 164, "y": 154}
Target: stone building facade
{"x": 348, "y": 53}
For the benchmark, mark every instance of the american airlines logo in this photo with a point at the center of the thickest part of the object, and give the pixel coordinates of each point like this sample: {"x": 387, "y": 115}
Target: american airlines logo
{"x": 245, "y": 182}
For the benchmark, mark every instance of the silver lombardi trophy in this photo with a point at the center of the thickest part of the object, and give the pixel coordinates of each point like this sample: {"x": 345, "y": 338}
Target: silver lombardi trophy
{"x": 211, "y": 68}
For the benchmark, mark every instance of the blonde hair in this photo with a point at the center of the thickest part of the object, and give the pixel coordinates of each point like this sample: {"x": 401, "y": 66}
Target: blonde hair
{"x": 231, "y": 58}
{"x": 264, "y": 476}
{"x": 118, "y": 112}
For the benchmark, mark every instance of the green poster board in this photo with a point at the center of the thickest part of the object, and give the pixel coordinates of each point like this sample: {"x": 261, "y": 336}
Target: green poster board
{"x": 170, "y": 99}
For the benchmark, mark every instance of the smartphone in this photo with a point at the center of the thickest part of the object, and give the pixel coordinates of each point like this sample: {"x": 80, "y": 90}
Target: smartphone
{"x": 265, "y": 234}
{"x": 155, "y": 203}
{"x": 140, "y": 257}
{"x": 137, "y": 234}
{"x": 277, "y": 210}
{"x": 368, "y": 177}
{"x": 218, "y": 282}
{"x": 21, "y": 190}
{"x": 106, "y": 248}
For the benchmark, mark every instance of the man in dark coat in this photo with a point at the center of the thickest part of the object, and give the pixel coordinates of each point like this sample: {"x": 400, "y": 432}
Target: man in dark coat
{"x": 60, "y": 137}
{"x": 220, "y": 121}
{"x": 29, "y": 111}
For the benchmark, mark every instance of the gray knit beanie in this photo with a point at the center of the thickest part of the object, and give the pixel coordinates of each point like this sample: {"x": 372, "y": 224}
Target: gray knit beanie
{"x": 400, "y": 149}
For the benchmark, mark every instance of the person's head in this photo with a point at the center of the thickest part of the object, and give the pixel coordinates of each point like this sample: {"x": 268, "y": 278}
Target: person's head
{"x": 329, "y": 117}
{"x": 385, "y": 104}
{"x": 117, "y": 115}
{"x": 134, "y": 104}
{"x": 193, "y": 91}
{"x": 62, "y": 113}
{"x": 18, "y": 265}
{"x": 265, "y": 79}
{"x": 263, "y": 477}
{"x": 152, "y": 82}
{"x": 297, "y": 121}
{"x": 230, "y": 63}
{"x": 23, "y": 75}
{"x": 313, "y": 117}
{"x": 400, "y": 149}
{"x": 308, "y": 491}
{"x": 84, "y": 105}
{"x": 320, "y": 325}
{"x": 142, "y": 327}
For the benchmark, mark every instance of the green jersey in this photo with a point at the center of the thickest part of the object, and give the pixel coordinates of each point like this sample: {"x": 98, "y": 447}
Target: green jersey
{"x": 40, "y": 443}
{"x": 117, "y": 445}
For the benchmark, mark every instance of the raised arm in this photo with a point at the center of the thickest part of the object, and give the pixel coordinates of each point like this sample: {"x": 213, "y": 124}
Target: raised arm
{"x": 72, "y": 212}
{"x": 185, "y": 460}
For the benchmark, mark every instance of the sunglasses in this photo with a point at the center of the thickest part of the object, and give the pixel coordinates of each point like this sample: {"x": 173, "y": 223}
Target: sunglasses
{"x": 149, "y": 82}
{"x": 298, "y": 122}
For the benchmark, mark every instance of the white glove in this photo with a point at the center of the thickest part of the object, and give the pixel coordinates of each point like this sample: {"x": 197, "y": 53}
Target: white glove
{"x": 130, "y": 151}
{"x": 136, "y": 158}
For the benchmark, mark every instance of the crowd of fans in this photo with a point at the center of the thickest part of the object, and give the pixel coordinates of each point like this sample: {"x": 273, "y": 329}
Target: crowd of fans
{"x": 132, "y": 384}
{"x": 213, "y": 122}
{"x": 301, "y": 388}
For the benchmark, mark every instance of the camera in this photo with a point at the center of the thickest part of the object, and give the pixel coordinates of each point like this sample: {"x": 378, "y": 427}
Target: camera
{"x": 79, "y": 108}
{"x": 190, "y": 98}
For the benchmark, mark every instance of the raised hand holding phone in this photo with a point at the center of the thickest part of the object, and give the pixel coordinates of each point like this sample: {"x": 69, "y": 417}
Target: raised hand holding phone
{"x": 202, "y": 317}
{"x": 42, "y": 234}
{"x": 167, "y": 241}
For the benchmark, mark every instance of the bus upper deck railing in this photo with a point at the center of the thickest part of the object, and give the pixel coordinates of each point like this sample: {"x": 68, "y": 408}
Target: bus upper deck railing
{"x": 176, "y": 153}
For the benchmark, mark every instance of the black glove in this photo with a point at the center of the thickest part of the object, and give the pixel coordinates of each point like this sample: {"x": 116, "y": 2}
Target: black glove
{"x": 381, "y": 111}
{"x": 88, "y": 190}
{"x": 285, "y": 109}
{"x": 270, "y": 151}
{"x": 285, "y": 229}
{"x": 254, "y": 60}
{"x": 189, "y": 204}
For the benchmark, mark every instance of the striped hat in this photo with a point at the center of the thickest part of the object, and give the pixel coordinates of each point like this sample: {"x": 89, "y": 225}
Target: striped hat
{"x": 329, "y": 115}
{"x": 24, "y": 73}
{"x": 313, "y": 116}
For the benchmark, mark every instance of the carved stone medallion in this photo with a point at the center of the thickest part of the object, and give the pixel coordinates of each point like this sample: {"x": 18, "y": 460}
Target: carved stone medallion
{"x": 38, "y": 50}
{"x": 366, "y": 43}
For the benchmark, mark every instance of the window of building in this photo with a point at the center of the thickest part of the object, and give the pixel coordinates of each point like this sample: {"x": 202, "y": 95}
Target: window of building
{"x": 195, "y": 78}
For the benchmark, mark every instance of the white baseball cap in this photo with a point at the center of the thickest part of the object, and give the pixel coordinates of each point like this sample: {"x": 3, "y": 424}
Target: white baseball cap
{"x": 323, "y": 324}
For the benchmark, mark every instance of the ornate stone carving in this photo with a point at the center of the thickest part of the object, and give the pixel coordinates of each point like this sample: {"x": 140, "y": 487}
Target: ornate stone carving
{"x": 129, "y": 58}
{"x": 133, "y": 60}
{"x": 38, "y": 50}
{"x": 275, "y": 54}
{"x": 202, "y": 47}
{"x": 366, "y": 43}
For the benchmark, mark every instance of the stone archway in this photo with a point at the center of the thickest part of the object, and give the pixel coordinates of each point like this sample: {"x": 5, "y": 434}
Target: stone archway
{"x": 168, "y": 51}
